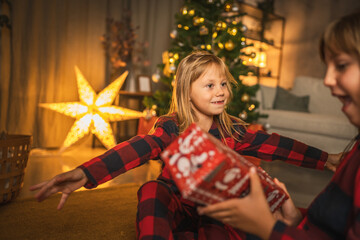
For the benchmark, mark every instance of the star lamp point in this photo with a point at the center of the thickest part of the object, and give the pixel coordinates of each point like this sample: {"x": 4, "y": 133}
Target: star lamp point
{"x": 94, "y": 112}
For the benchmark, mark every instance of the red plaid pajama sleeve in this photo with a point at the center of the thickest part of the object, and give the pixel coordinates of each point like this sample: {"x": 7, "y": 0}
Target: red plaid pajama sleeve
{"x": 275, "y": 147}
{"x": 130, "y": 154}
{"x": 335, "y": 212}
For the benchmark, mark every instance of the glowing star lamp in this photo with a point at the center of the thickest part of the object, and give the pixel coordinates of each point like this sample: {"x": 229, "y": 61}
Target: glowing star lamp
{"x": 94, "y": 112}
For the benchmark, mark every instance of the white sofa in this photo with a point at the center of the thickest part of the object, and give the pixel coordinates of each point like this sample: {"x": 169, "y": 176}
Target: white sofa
{"x": 324, "y": 126}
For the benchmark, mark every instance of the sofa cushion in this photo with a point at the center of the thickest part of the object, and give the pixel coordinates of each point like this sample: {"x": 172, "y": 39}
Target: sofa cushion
{"x": 321, "y": 101}
{"x": 284, "y": 100}
{"x": 338, "y": 127}
{"x": 267, "y": 95}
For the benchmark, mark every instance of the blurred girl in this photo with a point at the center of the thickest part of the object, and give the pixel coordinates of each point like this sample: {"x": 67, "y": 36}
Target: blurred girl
{"x": 335, "y": 213}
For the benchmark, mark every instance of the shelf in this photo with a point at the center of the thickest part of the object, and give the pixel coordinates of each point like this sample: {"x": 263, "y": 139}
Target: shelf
{"x": 256, "y": 12}
{"x": 135, "y": 94}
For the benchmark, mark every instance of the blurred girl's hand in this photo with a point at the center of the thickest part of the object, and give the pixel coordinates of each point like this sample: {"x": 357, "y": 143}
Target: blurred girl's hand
{"x": 250, "y": 214}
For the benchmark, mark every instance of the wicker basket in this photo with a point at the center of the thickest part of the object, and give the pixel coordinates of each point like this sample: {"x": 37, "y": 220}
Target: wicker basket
{"x": 14, "y": 153}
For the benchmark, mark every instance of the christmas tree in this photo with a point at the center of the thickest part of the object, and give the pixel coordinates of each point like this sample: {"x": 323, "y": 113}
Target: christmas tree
{"x": 215, "y": 26}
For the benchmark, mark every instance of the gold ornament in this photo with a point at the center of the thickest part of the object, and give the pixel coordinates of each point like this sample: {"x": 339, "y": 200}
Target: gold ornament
{"x": 232, "y": 31}
{"x": 229, "y": 45}
{"x": 155, "y": 77}
{"x": 184, "y": 10}
{"x": 228, "y": 7}
{"x": 196, "y": 21}
{"x": 204, "y": 30}
{"x": 219, "y": 26}
{"x": 245, "y": 97}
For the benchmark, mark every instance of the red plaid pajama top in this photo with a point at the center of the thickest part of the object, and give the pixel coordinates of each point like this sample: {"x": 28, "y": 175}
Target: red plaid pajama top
{"x": 139, "y": 149}
{"x": 335, "y": 212}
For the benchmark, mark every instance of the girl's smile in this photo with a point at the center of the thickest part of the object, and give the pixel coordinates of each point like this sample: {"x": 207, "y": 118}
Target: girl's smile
{"x": 343, "y": 79}
{"x": 209, "y": 93}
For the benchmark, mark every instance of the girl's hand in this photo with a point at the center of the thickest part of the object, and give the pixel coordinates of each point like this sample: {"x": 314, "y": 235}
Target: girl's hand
{"x": 333, "y": 161}
{"x": 66, "y": 183}
{"x": 288, "y": 213}
{"x": 250, "y": 214}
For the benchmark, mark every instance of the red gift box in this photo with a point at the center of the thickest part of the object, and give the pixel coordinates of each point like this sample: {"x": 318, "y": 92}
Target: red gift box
{"x": 206, "y": 171}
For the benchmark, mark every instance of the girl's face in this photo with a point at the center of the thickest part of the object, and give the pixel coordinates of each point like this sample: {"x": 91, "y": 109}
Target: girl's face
{"x": 343, "y": 78}
{"x": 209, "y": 93}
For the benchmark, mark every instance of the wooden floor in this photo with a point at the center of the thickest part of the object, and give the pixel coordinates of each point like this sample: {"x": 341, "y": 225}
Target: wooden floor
{"x": 303, "y": 184}
{"x": 44, "y": 164}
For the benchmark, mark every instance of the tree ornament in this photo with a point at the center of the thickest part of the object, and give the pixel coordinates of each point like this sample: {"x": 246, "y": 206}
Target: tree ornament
{"x": 245, "y": 97}
{"x": 155, "y": 77}
{"x": 244, "y": 28}
{"x": 196, "y": 21}
{"x": 220, "y": 26}
{"x": 192, "y": 12}
{"x": 228, "y": 7}
{"x": 174, "y": 34}
{"x": 235, "y": 7}
{"x": 184, "y": 10}
{"x": 243, "y": 115}
{"x": 229, "y": 45}
{"x": 251, "y": 107}
{"x": 252, "y": 54}
{"x": 232, "y": 31}
{"x": 204, "y": 30}
{"x": 210, "y": 1}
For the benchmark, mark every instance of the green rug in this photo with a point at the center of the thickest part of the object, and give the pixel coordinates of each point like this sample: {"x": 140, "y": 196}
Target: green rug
{"x": 107, "y": 213}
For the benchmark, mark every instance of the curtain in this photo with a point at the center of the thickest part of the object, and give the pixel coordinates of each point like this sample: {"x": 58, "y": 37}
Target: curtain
{"x": 48, "y": 39}
{"x": 5, "y": 57}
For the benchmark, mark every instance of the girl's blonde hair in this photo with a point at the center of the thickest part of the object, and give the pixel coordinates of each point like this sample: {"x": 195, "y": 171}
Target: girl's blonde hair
{"x": 188, "y": 71}
{"x": 342, "y": 35}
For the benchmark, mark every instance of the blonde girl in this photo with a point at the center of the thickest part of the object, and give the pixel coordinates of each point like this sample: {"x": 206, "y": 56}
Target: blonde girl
{"x": 202, "y": 91}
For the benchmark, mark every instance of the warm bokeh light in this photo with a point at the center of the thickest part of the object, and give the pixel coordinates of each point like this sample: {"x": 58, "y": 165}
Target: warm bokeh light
{"x": 94, "y": 111}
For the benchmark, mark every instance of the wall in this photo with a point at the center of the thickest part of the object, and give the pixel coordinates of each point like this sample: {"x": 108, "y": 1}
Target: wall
{"x": 305, "y": 21}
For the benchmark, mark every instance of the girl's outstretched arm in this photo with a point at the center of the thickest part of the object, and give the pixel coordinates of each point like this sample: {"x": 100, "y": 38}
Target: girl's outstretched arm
{"x": 66, "y": 183}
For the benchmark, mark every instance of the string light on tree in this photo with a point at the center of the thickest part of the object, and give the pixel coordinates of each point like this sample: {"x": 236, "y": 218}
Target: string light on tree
{"x": 245, "y": 97}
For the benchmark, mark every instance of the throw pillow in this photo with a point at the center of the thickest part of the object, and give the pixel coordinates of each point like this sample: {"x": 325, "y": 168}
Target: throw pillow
{"x": 268, "y": 96}
{"x": 284, "y": 100}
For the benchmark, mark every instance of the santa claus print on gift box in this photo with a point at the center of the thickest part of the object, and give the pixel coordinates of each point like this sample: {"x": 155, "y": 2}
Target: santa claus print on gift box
{"x": 206, "y": 171}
